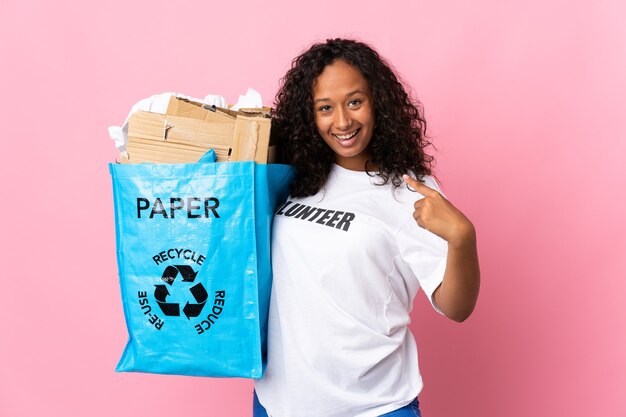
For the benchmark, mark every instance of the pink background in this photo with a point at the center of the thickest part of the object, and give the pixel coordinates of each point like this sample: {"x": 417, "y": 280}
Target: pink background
{"x": 525, "y": 102}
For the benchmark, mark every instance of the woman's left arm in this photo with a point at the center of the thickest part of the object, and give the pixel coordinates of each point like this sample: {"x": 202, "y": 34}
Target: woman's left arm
{"x": 458, "y": 292}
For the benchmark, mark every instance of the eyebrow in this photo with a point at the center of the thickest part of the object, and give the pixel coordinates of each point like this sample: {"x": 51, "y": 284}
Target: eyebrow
{"x": 347, "y": 95}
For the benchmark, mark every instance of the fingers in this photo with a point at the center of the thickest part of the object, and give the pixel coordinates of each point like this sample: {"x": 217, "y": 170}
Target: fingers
{"x": 418, "y": 219}
{"x": 418, "y": 186}
{"x": 424, "y": 206}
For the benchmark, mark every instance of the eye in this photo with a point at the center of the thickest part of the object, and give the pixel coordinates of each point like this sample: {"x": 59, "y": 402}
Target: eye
{"x": 355, "y": 103}
{"x": 324, "y": 109}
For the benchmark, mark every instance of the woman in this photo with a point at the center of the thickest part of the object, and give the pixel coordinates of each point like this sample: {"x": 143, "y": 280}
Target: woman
{"x": 356, "y": 240}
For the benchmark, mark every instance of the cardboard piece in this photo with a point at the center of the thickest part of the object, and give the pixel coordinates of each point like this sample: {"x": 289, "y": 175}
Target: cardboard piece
{"x": 189, "y": 129}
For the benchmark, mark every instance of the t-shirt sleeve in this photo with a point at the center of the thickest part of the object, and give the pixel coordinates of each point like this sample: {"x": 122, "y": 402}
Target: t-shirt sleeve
{"x": 424, "y": 252}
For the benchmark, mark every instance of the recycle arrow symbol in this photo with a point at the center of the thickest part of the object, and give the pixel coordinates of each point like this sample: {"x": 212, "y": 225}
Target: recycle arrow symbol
{"x": 200, "y": 294}
{"x": 160, "y": 294}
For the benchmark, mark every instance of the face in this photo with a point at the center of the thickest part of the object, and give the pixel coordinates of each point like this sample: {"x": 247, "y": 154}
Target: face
{"x": 344, "y": 113}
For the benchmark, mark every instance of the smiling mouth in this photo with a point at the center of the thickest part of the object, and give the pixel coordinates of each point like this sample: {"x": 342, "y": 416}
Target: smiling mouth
{"x": 348, "y": 136}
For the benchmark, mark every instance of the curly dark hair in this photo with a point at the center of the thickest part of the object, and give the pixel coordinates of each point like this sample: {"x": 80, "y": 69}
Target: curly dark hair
{"x": 398, "y": 145}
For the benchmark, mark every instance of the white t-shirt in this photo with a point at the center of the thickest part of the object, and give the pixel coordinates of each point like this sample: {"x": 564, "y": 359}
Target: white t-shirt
{"x": 347, "y": 263}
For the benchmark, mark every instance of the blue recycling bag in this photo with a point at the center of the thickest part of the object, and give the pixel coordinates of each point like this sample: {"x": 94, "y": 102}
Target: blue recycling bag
{"x": 193, "y": 254}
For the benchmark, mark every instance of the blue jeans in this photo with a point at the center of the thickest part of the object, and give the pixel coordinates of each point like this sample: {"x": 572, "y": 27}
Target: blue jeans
{"x": 409, "y": 410}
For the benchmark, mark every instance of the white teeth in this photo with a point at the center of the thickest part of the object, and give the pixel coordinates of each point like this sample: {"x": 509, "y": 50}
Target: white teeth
{"x": 346, "y": 137}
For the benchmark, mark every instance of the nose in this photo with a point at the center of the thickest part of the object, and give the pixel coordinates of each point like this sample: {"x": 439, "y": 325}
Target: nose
{"x": 342, "y": 121}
